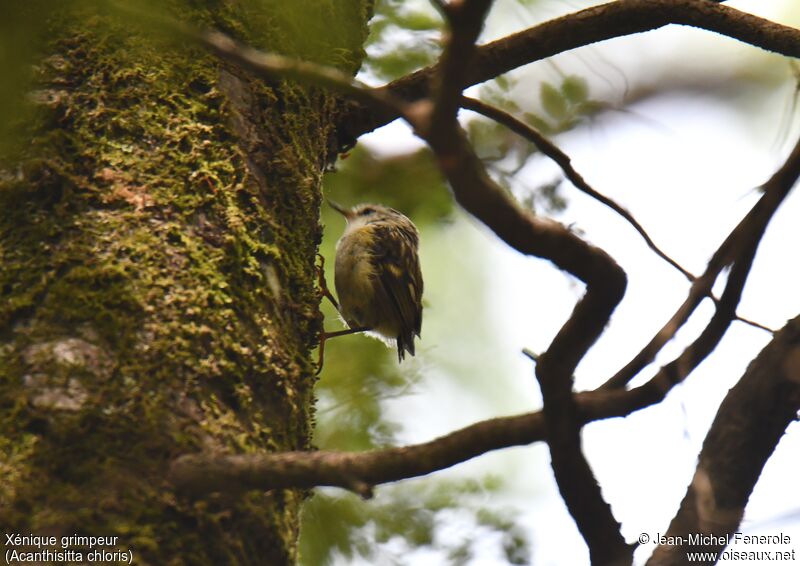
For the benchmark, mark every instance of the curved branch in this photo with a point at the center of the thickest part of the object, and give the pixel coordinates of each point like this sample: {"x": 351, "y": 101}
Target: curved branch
{"x": 200, "y": 474}
{"x": 618, "y": 19}
{"x": 592, "y": 25}
{"x": 679, "y": 369}
{"x": 605, "y": 287}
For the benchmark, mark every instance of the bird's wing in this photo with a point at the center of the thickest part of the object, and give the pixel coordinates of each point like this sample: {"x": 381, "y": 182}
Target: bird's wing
{"x": 403, "y": 289}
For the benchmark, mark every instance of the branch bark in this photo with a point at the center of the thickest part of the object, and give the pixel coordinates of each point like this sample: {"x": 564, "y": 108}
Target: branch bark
{"x": 272, "y": 66}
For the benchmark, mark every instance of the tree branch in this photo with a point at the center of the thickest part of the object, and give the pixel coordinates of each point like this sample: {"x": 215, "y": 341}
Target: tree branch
{"x": 198, "y": 474}
{"x": 466, "y": 21}
{"x": 748, "y": 426}
{"x": 743, "y": 239}
{"x": 271, "y": 66}
{"x": 599, "y": 23}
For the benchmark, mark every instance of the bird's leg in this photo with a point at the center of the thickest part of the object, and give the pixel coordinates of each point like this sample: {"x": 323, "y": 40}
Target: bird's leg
{"x": 323, "y": 336}
{"x": 323, "y": 285}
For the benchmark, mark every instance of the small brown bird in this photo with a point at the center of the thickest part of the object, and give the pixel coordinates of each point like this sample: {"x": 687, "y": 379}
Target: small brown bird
{"x": 378, "y": 278}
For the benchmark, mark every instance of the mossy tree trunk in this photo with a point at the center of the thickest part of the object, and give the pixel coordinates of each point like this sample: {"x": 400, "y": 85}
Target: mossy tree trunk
{"x": 158, "y": 231}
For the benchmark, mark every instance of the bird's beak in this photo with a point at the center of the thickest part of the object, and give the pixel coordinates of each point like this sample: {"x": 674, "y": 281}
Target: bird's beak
{"x": 346, "y": 212}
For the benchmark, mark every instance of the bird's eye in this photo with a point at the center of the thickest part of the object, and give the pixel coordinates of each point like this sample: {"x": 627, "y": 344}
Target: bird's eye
{"x": 367, "y": 211}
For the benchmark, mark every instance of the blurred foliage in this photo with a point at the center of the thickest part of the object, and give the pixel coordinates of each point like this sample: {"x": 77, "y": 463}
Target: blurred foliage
{"x": 404, "y": 36}
{"x": 409, "y": 182}
{"x": 566, "y": 105}
{"x": 361, "y": 377}
{"x": 449, "y": 519}
{"x": 361, "y": 374}
{"x": 557, "y": 108}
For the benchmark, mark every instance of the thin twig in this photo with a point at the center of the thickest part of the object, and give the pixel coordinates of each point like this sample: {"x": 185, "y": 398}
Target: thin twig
{"x": 752, "y": 323}
{"x": 563, "y": 160}
{"x": 530, "y": 354}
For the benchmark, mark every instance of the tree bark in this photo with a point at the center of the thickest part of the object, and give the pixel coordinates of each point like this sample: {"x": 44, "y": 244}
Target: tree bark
{"x": 158, "y": 230}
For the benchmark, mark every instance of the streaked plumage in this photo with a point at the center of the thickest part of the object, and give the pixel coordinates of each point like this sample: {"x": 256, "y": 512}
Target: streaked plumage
{"x": 377, "y": 274}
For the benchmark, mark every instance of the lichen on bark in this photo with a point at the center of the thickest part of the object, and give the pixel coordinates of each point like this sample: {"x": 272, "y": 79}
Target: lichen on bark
{"x": 158, "y": 230}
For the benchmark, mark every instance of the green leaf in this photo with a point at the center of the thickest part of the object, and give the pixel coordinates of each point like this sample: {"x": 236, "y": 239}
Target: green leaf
{"x": 421, "y": 21}
{"x": 575, "y": 89}
{"x": 553, "y": 101}
{"x": 503, "y": 83}
{"x": 538, "y": 122}
{"x": 592, "y": 107}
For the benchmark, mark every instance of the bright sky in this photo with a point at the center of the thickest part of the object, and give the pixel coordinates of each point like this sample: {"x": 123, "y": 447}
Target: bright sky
{"x": 686, "y": 167}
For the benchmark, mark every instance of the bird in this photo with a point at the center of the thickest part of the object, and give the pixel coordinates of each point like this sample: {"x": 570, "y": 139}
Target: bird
{"x": 378, "y": 277}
